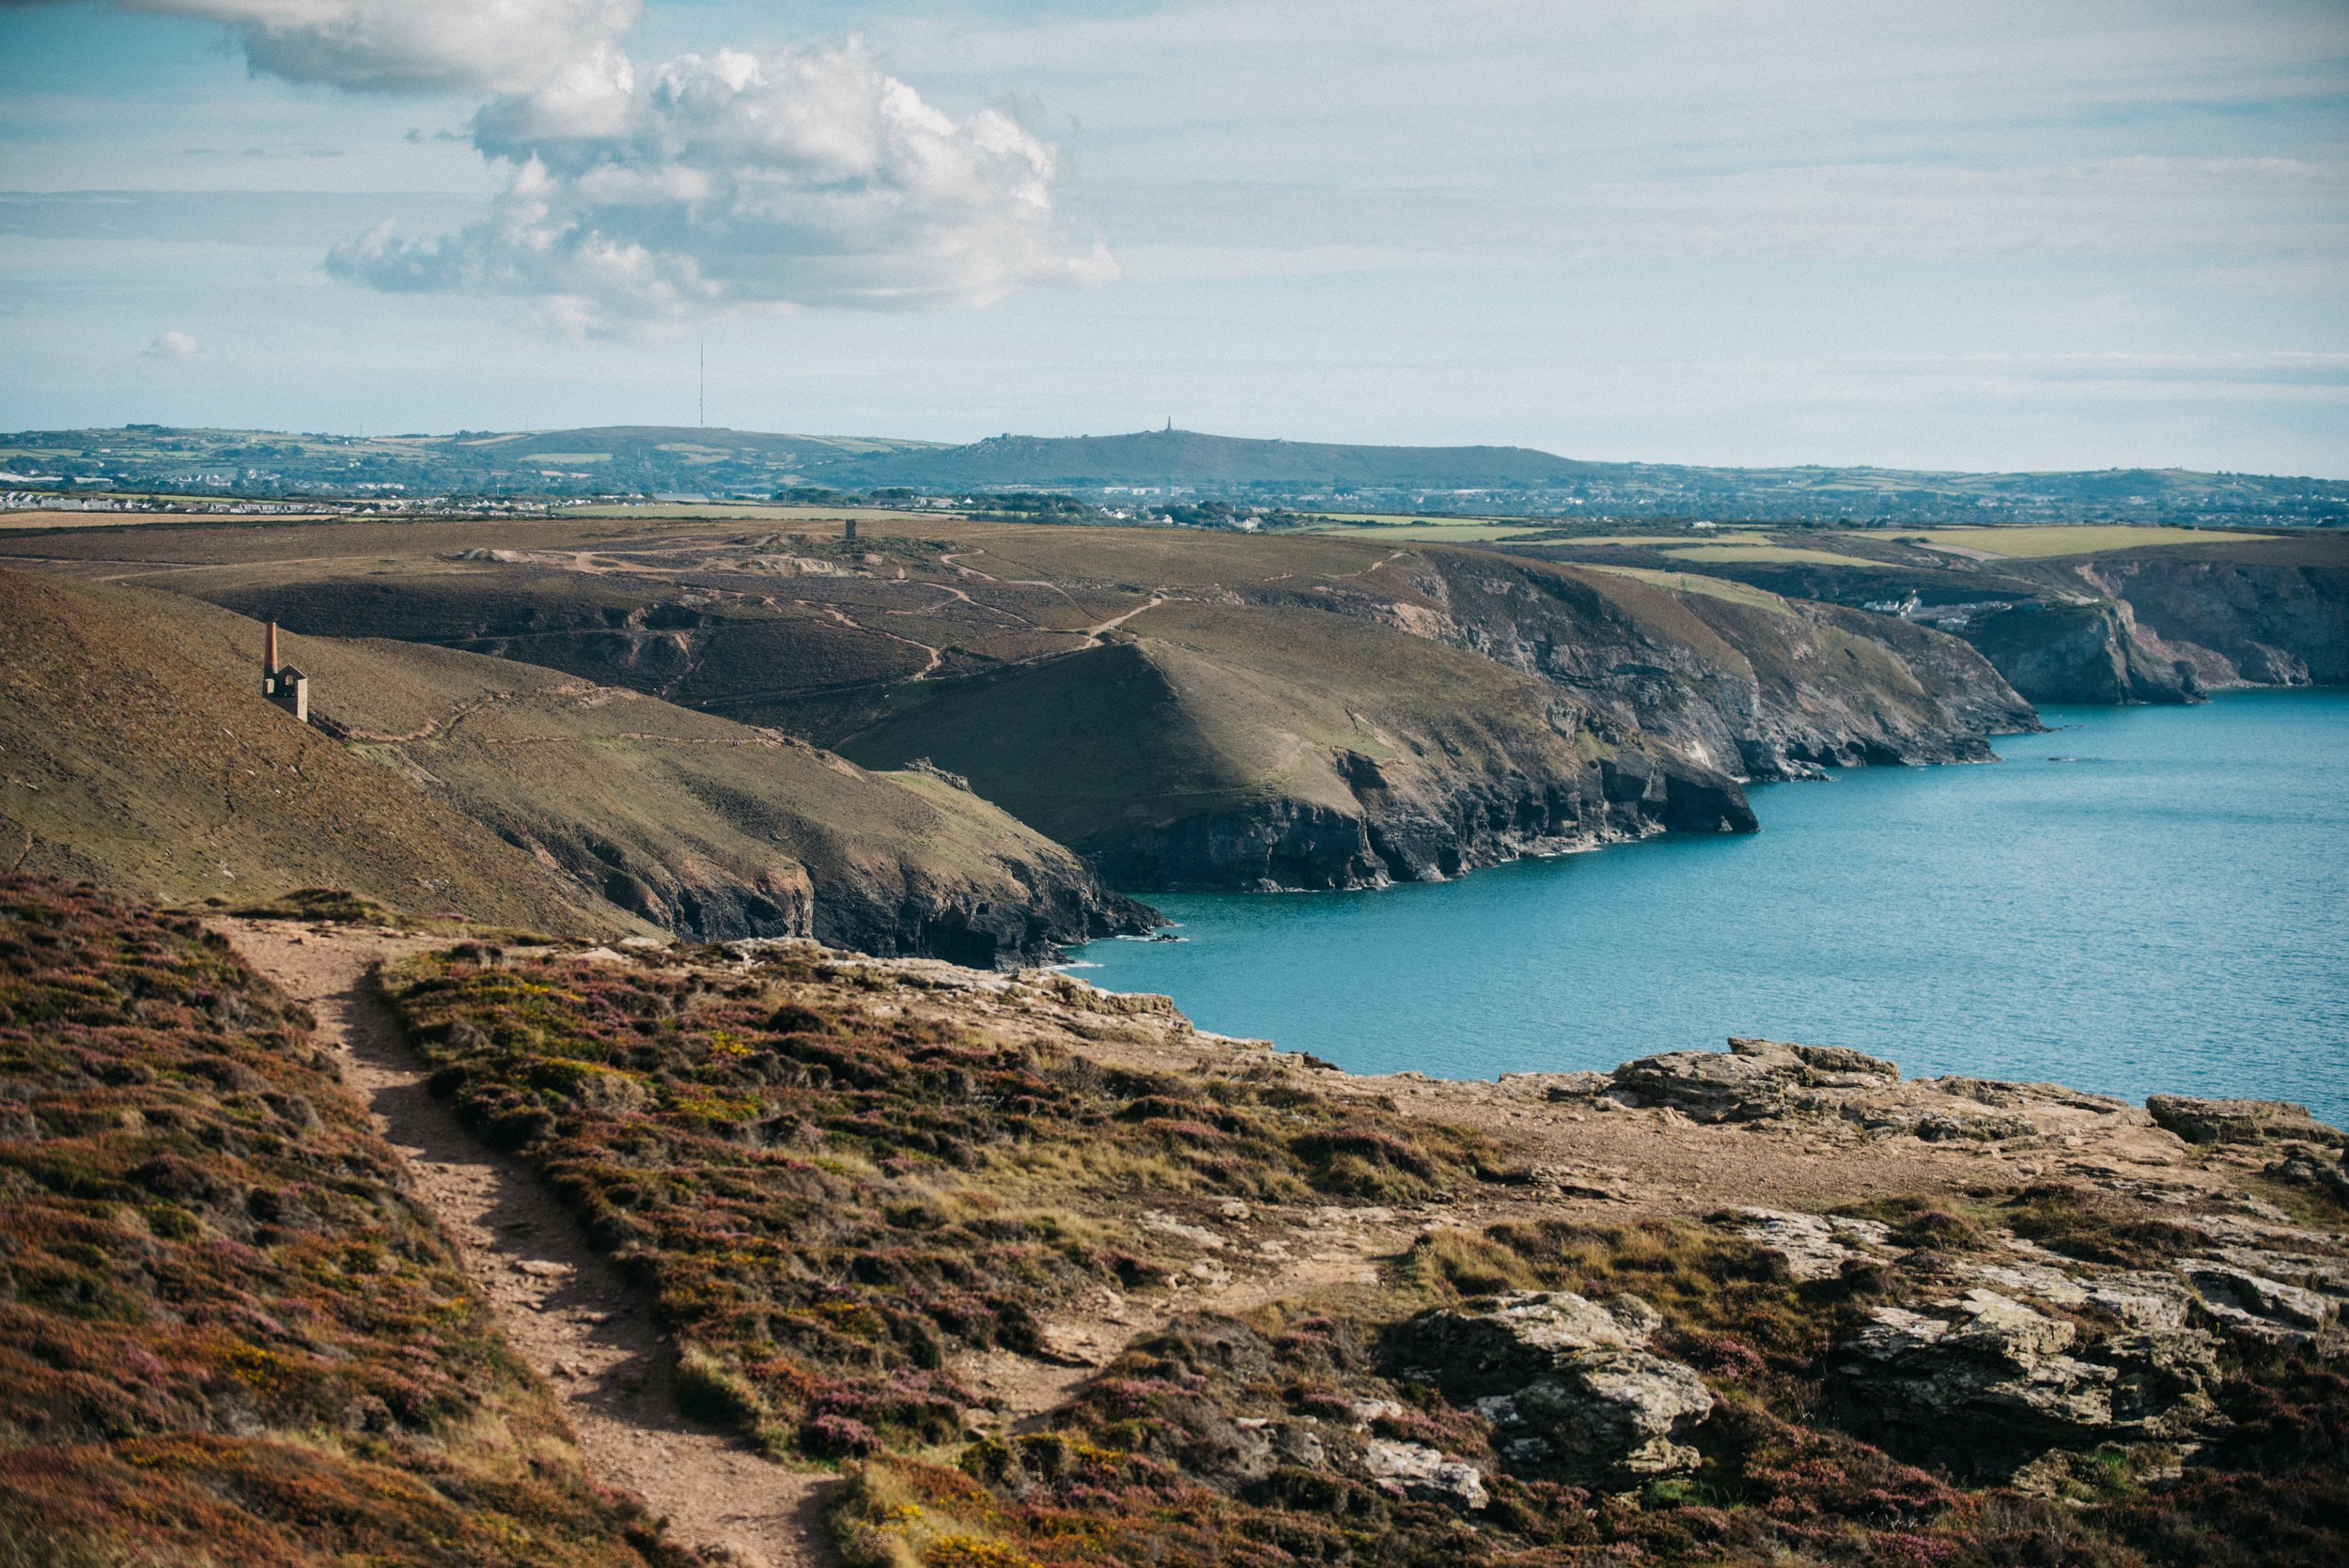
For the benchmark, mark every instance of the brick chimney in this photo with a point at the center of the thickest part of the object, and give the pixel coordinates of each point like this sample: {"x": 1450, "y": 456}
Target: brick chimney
{"x": 284, "y": 685}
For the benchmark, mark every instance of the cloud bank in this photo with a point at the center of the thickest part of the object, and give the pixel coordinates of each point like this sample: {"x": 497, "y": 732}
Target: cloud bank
{"x": 804, "y": 177}
{"x": 410, "y": 45}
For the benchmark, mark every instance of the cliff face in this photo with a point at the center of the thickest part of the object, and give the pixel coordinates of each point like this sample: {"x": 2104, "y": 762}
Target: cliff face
{"x": 2234, "y": 623}
{"x": 2078, "y": 653}
{"x": 1735, "y": 679}
{"x": 2159, "y": 623}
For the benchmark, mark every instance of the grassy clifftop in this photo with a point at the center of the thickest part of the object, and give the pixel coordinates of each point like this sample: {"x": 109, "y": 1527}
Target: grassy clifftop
{"x": 227, "y": 1334}
{"x": 507, "y": 792}
{"x": 140, "y": 752}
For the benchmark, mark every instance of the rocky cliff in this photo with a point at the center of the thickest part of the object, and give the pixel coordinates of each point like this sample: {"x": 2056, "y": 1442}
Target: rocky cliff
{"x": 1745, "y": 682}
{"x": 2274, "y": 616}
{"x": 2155, "y": 623}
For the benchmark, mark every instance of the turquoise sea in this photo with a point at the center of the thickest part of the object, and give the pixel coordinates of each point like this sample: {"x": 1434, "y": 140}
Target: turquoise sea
{"x": 2147, "y": 899}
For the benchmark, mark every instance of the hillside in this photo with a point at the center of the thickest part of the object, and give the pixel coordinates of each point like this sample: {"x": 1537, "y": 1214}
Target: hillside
{"x": 230, "y": 1333}
{"x": 1288, "y": 748}
{"x": 609, "y": 804}
{"x": 1192, "y": 708}
{"x": 141, "y": 754}
{"x": 1496, "y": 480}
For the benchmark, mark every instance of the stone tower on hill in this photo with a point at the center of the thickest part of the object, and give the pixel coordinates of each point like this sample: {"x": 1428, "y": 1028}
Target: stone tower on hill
{"x": 284, "y": 685}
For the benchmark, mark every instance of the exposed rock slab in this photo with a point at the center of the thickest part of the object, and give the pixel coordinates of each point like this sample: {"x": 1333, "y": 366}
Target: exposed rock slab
{"x": 2199, "y": 1121}
{"x": 1567, "y": 1384}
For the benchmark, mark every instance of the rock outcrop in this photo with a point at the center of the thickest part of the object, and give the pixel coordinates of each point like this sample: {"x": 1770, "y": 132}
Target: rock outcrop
{"x": 1985, "y": 1383}
{"x": 1841, "y": 1091}
{"x": 1568, "y": 1385}
{"x": 2199, "y": 1121}
{"x": 1756, "y": 1079}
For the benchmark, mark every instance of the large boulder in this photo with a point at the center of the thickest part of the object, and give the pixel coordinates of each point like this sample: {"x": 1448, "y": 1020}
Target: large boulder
{"x": 1985, "y": 1383}
{"x": 1570, "y": 1389}
{"x": 1757, "y": 1078}
{"x": 2237, "y": 1120}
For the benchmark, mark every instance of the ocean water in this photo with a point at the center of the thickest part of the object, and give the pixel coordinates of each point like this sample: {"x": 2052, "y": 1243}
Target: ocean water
{"x": 2147, "y": 900}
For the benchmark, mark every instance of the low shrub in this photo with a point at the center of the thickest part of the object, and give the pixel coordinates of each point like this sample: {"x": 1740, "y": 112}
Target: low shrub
{"x": 226, "y": 1333}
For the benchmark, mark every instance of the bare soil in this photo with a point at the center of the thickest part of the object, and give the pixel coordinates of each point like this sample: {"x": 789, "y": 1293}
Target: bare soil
{"x": 566, "y": 1309}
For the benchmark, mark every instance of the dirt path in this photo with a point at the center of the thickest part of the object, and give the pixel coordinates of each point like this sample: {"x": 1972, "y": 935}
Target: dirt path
{"x": 565, "y": 1307}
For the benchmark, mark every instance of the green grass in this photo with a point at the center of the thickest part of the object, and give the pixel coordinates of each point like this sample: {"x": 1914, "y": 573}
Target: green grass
{"x": 2038, "y": 542}
{"x": 1698, "y": 582}
{"x": 1704, "y": 553}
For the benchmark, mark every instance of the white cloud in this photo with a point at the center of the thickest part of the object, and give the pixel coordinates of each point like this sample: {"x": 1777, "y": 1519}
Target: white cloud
{"x": 172, "y": 345}
{"x": 413, "y": 45}
{"x": 803, "y": 177}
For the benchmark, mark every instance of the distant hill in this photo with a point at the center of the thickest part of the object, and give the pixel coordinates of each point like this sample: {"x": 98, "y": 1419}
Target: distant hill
{"x": 1216, "y": 463}
{"x": 674, "y": 463}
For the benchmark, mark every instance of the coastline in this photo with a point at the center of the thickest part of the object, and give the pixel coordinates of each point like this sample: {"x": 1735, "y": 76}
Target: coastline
{"x": 2018, "y": 911}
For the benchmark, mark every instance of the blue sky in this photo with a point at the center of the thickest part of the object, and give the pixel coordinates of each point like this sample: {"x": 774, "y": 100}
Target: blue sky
{"x": 1985, "y": 236}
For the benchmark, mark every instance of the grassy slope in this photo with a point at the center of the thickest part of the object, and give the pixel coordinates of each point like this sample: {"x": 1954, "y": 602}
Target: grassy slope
{"x": 227, "y": 1337}
{"x": 831, "y": 1191}
{"x": 1200, "y": 708}
{"x": 139, "y": 748}
{"x": 677, "y": 816}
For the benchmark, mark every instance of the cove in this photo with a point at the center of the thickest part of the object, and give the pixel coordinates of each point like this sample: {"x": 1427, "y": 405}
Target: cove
{"x": 2146, "y": 900}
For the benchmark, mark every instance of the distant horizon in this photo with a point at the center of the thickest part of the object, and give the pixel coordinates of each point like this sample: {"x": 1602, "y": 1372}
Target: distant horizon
{"x": 930, "y": 441}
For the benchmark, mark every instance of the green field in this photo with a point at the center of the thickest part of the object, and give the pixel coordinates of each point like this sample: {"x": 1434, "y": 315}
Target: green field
{"x": 753, "y": 510}
{"x": 2038, "y": 542}
{"x": 1698, "y": 582}
{"x": 1699, "y": 555}
{"x": 1404, "y": 528}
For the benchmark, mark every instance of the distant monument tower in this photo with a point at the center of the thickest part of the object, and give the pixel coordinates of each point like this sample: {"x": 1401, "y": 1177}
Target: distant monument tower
{"x": 284, "y": 685}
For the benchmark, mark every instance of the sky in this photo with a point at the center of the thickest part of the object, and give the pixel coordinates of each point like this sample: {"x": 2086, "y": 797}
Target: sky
{"x": 1989, "y": 235}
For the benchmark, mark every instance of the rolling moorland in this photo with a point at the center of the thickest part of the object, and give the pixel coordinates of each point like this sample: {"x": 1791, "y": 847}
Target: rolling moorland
{"x": 138, "y": 752}
{"x": 654, "y": 460}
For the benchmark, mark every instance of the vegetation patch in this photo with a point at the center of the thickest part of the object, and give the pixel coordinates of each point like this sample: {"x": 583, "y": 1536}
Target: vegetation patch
{"x": 227, "y": 1335}
{"x": 829, "y": 1197}
{"x": 1243, "y": 1439}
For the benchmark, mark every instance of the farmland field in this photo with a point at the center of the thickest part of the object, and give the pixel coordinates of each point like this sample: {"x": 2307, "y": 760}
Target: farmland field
{"x": 2037, "y": 542}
